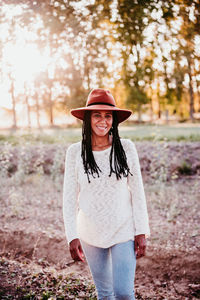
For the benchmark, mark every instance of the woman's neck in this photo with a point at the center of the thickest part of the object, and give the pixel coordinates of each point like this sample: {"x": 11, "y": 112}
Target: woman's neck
{"x": 101, "y": 143}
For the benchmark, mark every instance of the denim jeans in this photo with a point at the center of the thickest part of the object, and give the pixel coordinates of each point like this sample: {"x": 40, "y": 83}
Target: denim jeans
{"x": 113, "y": 270}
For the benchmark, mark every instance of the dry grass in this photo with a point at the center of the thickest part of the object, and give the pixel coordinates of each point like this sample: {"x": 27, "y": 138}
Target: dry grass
{"x": 35, "y": 262}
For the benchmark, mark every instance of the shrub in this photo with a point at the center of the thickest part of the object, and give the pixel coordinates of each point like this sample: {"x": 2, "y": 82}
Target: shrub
{"x": 185, "y": 168}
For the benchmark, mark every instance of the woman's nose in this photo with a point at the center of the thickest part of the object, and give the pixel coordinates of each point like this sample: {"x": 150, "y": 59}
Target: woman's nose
{"x": 103, "y": 120}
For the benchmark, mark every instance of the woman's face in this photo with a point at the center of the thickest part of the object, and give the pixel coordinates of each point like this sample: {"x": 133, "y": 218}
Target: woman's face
{"x": 101, "y": 122}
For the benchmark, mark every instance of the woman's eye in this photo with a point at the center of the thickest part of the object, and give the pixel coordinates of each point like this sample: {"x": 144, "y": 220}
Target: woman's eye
{"x": 98, "y": 116}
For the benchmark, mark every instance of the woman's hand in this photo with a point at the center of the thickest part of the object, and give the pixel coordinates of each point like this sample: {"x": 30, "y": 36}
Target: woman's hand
{"x": 140, "y": 245}
{"x": 76, "y": 250}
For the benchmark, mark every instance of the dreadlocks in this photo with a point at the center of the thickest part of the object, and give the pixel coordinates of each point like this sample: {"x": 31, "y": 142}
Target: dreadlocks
{"x": 117, "y": 154}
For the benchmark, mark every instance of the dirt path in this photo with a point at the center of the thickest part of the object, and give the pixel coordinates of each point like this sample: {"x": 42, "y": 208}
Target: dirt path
{"x": 170, "y": 276}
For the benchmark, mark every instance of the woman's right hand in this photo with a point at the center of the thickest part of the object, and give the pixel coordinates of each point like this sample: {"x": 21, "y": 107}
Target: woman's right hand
{"x": 76, "y": 250}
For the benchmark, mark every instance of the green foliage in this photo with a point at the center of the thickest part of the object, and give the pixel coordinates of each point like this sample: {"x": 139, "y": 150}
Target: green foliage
{"x": 91, "y": 37}
{"x": 137, "y": 72}
{"x": 44, "y": 285}
{"x": 185, "y": 168}
{"x": 132, "y": 20}
{"x": 136, "y": 97}
{"x": 29, "y": 296}
{"x": 46, "y": 295}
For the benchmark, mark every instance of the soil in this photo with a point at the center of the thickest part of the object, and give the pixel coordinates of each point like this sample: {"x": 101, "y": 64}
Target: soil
{"x": 34, "y": 259}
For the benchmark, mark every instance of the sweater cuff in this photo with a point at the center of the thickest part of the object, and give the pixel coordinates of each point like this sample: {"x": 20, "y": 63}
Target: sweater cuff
{"x": 146, "y": 232}
{"x": 71, "y": 239}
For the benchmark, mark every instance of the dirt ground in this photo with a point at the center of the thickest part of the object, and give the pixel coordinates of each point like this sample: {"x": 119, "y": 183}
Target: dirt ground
{"x": 34, "y": 257}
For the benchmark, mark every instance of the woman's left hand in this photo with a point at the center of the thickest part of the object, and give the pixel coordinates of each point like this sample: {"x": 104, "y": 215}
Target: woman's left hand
{"x": 140, "y": 245}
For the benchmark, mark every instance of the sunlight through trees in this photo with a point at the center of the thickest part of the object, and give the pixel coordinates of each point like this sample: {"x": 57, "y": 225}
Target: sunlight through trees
{"x": 53, "y": 52}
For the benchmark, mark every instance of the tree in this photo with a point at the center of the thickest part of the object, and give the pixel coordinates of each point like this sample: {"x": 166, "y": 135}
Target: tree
{"x": 190, "y": 27}
{"x": 114, "y": 43}
{"x": 130, "y": 24}
{"x": 12, "y": 93}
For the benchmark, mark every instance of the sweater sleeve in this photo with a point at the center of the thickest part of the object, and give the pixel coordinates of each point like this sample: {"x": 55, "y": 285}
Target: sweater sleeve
{"x": 135, "y": 182}
{"x": 70, "y": 194}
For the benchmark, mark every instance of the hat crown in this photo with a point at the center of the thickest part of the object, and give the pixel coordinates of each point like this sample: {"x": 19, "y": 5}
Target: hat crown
{"x": 101, "y": 99}
{"x": 100, "y": 96}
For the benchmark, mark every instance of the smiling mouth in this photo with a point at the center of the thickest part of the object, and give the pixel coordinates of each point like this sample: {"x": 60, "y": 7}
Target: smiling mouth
{"x": 101, "y": 127}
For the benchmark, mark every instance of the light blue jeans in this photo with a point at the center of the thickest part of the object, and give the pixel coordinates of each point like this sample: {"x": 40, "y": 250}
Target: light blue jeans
{"x": 113, "y": 270}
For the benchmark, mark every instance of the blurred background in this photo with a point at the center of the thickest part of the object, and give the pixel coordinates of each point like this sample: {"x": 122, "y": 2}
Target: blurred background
{"x": 52, "y": 53}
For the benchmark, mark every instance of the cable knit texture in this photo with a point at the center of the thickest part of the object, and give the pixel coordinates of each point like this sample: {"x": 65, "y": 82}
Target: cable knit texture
{"x": 105, "y": 211}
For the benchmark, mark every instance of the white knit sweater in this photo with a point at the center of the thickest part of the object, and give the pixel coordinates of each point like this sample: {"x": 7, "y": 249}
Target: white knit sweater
{"x": 105, "y": 211}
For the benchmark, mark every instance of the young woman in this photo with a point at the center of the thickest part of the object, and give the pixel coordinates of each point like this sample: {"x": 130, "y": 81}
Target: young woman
{"x": 104, "y": 205}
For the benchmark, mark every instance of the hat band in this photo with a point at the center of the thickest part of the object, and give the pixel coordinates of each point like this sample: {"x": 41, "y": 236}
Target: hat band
{"x": 101, "y": 103}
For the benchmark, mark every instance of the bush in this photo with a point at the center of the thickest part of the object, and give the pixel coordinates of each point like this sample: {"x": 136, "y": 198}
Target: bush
{"x": 185, "y": 169}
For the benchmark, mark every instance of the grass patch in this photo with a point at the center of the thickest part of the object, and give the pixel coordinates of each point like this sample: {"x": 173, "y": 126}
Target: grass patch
{"x": 178, "y": 133}
{"x": 51, "y": 136}
{"x": 161, "y": 133}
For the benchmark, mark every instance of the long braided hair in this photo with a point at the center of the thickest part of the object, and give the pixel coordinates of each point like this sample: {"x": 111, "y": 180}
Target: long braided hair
{"x": 118, "y": 160}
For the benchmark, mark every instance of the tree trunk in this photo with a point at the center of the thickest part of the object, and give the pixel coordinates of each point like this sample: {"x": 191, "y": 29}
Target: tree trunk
{"x": 14, "y": 126}
{"x": 37, "y": 110}
{"x": 51, "y": 109}
{"x": 28, "y": 110}
{"x": 191, "y": 92}
{"x": 139, "y": 113}
{"x": 158, "y": 99}
{"x": 166, "y": 116}
{"x": 159, "y": 111}
{"x": 198, "y": 95}
{"x": 151, "y": 107}
{"x": 87, "y": 73}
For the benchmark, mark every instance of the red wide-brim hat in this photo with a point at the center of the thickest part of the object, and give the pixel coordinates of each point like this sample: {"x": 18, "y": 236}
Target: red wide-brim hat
{"x": 100, "y": 99}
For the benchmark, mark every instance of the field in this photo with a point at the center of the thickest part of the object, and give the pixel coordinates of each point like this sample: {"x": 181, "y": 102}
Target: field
{"x": 34, "y": 257}
{"x": 178, "y": 132}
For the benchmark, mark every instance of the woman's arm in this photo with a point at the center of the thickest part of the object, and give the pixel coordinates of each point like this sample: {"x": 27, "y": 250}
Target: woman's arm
{"x": 70, "y": 194}
{"x": 140, "y": 214}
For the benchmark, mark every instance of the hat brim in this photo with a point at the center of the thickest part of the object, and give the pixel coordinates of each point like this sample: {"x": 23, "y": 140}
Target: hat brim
{"x": 122, "y": 114}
